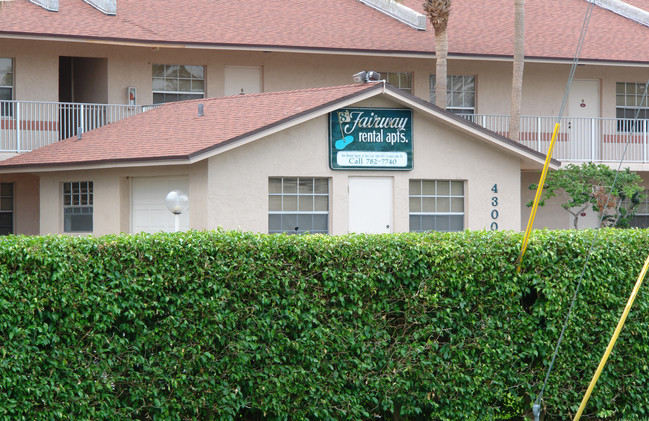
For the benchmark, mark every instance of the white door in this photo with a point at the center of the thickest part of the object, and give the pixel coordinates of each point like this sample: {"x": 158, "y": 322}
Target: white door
{"x": 583, "y": 126}
{"x": 149, "y": 212}
{"x": 370, "y": 205}
{"x": 242, "y": 80}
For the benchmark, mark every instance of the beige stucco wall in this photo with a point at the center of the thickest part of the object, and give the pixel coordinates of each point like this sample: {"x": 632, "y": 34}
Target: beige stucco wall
{"x": 112, "y": 196}
{"x": 26, "y": 207}
{"x": 238, "y": 179}
{"x": 37, "y": 63}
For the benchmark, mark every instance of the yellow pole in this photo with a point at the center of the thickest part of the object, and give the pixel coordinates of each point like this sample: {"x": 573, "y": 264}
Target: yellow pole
{"x": 537, "y": 198}
{"x": 611, "y": 343}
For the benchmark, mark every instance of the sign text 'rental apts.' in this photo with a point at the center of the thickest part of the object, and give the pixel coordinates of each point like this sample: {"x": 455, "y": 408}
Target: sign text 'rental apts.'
{"x": 370, "y": 138}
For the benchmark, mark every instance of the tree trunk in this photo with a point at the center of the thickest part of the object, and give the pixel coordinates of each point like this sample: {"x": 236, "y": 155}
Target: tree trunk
{"x": 517, "y": 73}
{"x": 441, "y": 51}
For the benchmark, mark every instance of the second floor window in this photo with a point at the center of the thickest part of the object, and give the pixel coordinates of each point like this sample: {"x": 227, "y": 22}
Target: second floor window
{"x": 460, "y": 94}
{"x": 630, "y": 104}
{"x": 177, "y": 82}
{"x": 401, "y": 80}
{"x": 6, "y": 85}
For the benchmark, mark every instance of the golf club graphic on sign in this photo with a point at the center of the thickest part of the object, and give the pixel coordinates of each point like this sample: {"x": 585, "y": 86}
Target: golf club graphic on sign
{"x": 370, "y": 139}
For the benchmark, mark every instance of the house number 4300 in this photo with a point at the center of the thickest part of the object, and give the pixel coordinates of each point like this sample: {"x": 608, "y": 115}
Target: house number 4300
{"x": 494, "y": 210}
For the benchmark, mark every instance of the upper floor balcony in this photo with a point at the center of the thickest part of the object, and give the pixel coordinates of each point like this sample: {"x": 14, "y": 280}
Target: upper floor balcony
{"x": 579, "y": 139}
{"x": 29, "y": 125}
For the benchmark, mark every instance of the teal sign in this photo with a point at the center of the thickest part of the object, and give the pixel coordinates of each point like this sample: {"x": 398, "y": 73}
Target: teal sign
{"x": 370, "y": 139}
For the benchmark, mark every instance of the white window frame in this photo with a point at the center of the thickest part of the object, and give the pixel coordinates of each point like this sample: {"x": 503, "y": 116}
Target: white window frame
{"x": 287, "y": 202}
{"x": 7, "y": 108}
{"x": 417, "y": 207}
{"x": 161, "y": 82}
{"x": 452, "y": 94}
{"x": 78, "y": 200}
{"x": 399, "y": 80}
{"x": 629, "y": 105}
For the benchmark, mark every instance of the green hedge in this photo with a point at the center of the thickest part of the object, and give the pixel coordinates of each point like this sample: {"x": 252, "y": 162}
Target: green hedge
{"x": 230, "y": 325}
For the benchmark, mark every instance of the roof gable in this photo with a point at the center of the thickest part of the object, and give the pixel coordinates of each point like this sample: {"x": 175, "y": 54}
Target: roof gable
{"x": 176, "y": 133}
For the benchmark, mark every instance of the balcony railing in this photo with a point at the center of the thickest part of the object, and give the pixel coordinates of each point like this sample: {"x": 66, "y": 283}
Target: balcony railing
{"x": 29, "y": 125}
{"x": 579, "y": 139}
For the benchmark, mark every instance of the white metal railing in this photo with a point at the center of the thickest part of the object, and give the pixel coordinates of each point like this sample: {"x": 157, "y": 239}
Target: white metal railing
{"x": 579, "y": 139}
{"x": 29, "y": 125}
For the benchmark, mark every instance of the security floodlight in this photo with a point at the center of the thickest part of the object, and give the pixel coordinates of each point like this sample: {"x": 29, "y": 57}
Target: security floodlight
{"x": 367, "y": 76}
{"x": 373, "y": 76}
{"x": 360, "y": 77}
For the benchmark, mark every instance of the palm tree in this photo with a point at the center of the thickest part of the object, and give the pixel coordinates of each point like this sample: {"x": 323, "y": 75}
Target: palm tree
{"x": 438, "y": 12}
{"x": 517, "y": 73}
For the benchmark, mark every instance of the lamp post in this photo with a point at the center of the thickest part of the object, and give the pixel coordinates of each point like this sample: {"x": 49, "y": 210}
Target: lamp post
{"x": 176, "y": 202}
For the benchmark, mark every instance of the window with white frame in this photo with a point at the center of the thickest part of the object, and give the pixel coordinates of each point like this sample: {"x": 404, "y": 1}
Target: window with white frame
{"x": 460, "y": 94}
{"x": 401, "y": 80}
{"x": 177, "y": 82}
{"x": 436, "y": 205}
{"x": 297, "y": 205}
{"x": 631, "y": 104}
{"x": 6, "y": 208}
{"x": 6, "y": 86}
{"x": 77, "y": 206}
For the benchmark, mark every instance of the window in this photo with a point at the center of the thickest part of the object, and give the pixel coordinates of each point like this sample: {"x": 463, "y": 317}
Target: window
{"x": 6, "y": 208}
{"x": 630, "y": 104}
{"x": 77, "y": 206}
{"x": 399, "y": 80}
{"x": 175, "y": 82}
{"x": 6, "y": 86}
{"x": 436, "y": 205}
{"x": 298, "y": 205}
{"x": 460, "y": 94}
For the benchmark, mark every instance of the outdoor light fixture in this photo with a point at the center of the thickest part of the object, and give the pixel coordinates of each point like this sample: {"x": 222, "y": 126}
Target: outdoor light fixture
{"x": 176, "y": 202}
{"x": 367, "y": 76}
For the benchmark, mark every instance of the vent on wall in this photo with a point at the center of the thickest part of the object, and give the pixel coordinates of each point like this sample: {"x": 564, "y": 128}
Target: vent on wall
{"x": 108, "y": 7}
{"x": 51, "y": 5}
{"x": 624, "y": 9}
{"x": 399, "y": 12}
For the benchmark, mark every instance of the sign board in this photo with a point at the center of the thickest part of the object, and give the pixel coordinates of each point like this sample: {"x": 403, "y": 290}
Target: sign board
{"x": 370, "y": 139}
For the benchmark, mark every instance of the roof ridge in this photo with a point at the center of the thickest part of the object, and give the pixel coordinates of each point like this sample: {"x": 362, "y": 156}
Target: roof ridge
{"x": 625, "y": 10}
{"x": 293, "y": 91}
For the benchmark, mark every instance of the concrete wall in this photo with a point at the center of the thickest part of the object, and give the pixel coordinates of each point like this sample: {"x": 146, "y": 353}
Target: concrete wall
{"x": 238, "y": 179}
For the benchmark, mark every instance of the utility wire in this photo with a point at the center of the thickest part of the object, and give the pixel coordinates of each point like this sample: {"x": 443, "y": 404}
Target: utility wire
{"x": 609, "y": 348}
{"x": 537, "y": 404}
{"x": 539, "y": 190}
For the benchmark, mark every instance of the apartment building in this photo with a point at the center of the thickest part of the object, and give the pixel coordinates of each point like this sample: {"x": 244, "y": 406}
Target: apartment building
{"x": 71, "y": 66}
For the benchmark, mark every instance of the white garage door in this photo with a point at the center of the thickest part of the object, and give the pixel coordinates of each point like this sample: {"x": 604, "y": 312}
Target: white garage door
{"x": 148, "y": 210}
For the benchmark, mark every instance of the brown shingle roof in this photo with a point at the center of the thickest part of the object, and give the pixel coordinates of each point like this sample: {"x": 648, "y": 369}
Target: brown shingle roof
{"x": 476, "y": 27}
{"x": 174, "y": 131}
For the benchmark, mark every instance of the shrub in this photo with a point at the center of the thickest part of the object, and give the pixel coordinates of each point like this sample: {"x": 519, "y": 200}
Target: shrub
{"x": 231, "y": 325}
